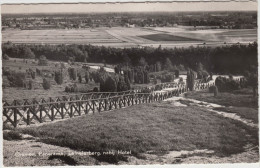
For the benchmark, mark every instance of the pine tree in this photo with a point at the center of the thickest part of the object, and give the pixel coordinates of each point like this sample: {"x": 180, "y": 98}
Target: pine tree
{"x": 168, "y": 64}
{"x": 190, "y": 80}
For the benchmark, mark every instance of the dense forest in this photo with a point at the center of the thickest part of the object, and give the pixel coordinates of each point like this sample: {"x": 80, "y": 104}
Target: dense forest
{"x": 235, "y": 59}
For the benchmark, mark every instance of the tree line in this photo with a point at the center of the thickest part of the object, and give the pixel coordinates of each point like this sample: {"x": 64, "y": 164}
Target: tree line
{"x": 232, "y": 59}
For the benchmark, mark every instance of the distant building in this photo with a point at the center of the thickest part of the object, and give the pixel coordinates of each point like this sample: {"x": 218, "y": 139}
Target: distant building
{"x": 130, "y": 25}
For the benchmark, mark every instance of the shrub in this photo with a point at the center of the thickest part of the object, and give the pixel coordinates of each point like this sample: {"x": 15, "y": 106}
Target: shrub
{"x": 211, "y": 89}
{"x": 215, "y": 91}
{"x": 211, "y": 76}
{"x": 87, "y": 77}
{"x": 79, "y": 78}
{"x": 252, "y": 80}
{"x": 75, "y": 88}
{"x": 67, "y": 89}
{"x": 46, "y": 84}
{"x": 33, "y": 74}
{"x": 94, "y": 76}
{"x": 226, "y": 84}
{"x": 130, "y": 76}
{"x": 62, "y": 65}
{"x": 102, "y": 70}
{"x": 177, "y": 73}
{"x": 181, "y": 67}
{"x": 78, "y": 88}
{"x": 116, "y": 69}
{"x": 6, "y": 71}
{"x": 158, "y": 66}
{"x": 38, "y": 72}
{"x": 72, "y": 73}
{"x": 5, "y": 82}
{"x": 121, "y": 85}
{"x": 158, "y": 87}
{"x": 140, "y": 77}
{"x": 42, "y": 61}
{"x": 5, "y": 57}
{"x": 233, "y": 85}
{"x": 110, "y": 85}
{"x": 146, "y": 77}
{"x": 168, "y": 64}
{"x": 30, "y": 85}
{"x": 12, "y": 135}
{"x": 95, "y": 89}
{"x": 58, "y": 77}
{"x": 127, "y": 81}
{"x": 17, "y": 79}
{"x": 190, "y": 80}
{"x": 167, "y": 78}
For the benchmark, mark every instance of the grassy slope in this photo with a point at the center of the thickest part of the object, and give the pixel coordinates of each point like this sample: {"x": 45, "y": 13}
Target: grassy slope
{"x": 159, "y": 127}
{"x": 240, "y": 102}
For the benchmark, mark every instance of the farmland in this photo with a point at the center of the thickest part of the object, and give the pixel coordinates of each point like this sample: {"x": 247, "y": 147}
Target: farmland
{"x": 166, "y": 37}
{"x": 121, "y": 37}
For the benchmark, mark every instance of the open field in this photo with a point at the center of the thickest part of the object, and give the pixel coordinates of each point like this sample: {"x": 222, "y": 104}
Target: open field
{"x": 166, "y": 37}
{"x": 121, "y": 37}
{"x": 156, "y": 128}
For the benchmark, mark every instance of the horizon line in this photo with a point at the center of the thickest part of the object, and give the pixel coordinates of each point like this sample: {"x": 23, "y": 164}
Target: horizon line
{"x": 130, "y": 12}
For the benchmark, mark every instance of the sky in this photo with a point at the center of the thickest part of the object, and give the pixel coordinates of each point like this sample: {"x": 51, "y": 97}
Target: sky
{"x": 129, "y": 7}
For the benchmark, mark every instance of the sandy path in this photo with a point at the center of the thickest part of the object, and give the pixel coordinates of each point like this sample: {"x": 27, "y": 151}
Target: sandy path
{"x": 210, "y": 106}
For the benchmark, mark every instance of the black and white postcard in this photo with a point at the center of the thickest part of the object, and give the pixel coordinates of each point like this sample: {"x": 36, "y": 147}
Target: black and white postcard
{"x": 99, "y": 83}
